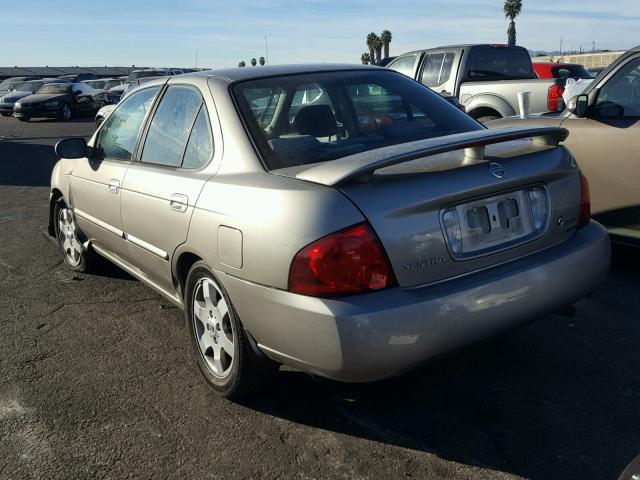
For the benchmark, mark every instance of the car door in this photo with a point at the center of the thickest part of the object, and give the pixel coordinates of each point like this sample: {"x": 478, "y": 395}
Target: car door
{"x": 606, "y": 145}
{"x": 161, "y": 189}
{"x": 96, "y": 183}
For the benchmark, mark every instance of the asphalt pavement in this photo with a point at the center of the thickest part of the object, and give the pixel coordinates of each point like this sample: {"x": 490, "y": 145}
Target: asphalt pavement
{"x": 97, "y": 380}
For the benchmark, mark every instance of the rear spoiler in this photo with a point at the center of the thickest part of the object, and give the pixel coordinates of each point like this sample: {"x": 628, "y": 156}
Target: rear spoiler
{"x": 348, "y": 168}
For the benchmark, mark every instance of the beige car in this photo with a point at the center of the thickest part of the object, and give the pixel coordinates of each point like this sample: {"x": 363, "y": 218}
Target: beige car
{"x": 604, "y": 137}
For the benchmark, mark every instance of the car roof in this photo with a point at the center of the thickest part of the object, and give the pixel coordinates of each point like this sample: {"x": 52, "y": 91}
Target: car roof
{"x": 458, "y": 47}
{"x": 237, "y": 74}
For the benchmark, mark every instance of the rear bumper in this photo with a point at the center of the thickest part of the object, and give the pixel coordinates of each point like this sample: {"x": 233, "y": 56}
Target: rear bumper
{"x": 381, "y": 334}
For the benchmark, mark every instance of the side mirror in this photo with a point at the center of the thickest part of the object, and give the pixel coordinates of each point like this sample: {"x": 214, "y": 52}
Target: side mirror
{"x": 71, "y": 148}
{"x": 581, "y": 106}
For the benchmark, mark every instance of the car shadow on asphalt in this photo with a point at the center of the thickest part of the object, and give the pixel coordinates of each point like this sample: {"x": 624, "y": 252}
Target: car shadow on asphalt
{"x": 556, "y": 399}
{"x": 26, "y": 164}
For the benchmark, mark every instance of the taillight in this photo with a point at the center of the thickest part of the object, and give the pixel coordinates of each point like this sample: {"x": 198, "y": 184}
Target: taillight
{"x": 585, "y": 202}
{"x": 555, "y": 103}
{"x": 349, "y": 261}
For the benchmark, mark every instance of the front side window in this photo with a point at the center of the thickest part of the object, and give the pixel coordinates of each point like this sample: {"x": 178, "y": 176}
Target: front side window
{"x": 119, "y": 133}
{"x": 620, "y": 96}
{"x": 171, "y": 125}
{"x": 404, "y": 65}
{"x": 357, "y": 111}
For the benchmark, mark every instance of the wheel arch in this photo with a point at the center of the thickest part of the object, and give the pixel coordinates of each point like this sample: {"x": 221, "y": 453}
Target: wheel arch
{"x": 55, "y": 196}
{"x": 181, "y": 266}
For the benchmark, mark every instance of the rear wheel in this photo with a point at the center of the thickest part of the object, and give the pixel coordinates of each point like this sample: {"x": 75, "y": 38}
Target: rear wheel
{"x": 65, "y": 112}
{"x": 220, "y": 344}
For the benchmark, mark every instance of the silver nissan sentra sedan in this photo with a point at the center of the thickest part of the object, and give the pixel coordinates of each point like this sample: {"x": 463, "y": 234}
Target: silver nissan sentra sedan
{"x": 343, "y": 220}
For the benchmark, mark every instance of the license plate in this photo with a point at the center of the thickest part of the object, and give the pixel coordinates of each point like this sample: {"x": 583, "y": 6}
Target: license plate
{"x": 493, "y": 222}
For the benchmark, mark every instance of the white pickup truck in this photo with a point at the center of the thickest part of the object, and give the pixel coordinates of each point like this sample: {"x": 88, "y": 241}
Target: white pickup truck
{"x": 486, "y": 79}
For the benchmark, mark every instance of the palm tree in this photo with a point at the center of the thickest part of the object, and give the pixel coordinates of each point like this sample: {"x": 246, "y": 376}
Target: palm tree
{"x": 365, "y": 58}
{"x": 512, "y": 9}
{"x": 262, "y": 61}
{"x": 371, "y": 43}
{"x": 254, "y": 62}
{"x": 242, "y": 64}
{"x": 378, "y": 49}
{"x": 386, "y": 40}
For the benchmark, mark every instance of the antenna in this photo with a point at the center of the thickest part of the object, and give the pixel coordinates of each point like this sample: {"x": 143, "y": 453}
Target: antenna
{"x": 196, "y": 66}
{"x": 266, "y": 47}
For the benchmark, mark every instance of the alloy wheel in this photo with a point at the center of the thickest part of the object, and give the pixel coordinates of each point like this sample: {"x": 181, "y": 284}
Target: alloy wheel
{"x": 68, "y": 238}
{"x": 66, "y": 112}
{"x": 214, "y": 329}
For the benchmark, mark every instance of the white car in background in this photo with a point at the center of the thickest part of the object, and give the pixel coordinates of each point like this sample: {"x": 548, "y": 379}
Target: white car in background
{"x": 122, "y": 90}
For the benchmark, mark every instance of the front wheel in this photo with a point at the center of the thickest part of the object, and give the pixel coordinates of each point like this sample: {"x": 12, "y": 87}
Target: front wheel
{"x": 6, "y": 114}
{"x": 68, "y": 234}
{"x": 65, "y": 112}
{"x": 220, "y": 344}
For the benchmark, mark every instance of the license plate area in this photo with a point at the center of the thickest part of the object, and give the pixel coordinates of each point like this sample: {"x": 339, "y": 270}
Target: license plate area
{"x": 494, "y": 223}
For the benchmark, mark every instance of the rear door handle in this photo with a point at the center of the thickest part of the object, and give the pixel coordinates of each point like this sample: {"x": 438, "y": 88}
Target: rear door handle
{"x": 114, "y": 186}
{"x": 179, "y": 202}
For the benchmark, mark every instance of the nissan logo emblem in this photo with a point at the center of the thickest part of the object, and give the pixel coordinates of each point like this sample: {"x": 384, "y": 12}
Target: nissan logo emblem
{"x": 496, "y": 170}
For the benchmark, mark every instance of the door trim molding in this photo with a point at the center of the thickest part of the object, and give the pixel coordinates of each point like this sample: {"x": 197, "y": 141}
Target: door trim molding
{"x": 147, "y": 246}
{"x": 99, "y": 223}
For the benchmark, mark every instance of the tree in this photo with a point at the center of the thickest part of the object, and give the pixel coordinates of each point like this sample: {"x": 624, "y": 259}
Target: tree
{"x": 378, "y": 49}
{"x": 386, "y": 40}
{"x": 512, "y": 9}
{"x": 254, "y": 62}
{"x": 242, "y": 64}
{"x": 365, "y": 58}
{"x": 371, "y": 43}
{"x": 262, "y": 61}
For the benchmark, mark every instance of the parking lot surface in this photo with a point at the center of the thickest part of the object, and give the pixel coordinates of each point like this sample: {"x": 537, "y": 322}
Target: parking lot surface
{"x": 97, "y": 381}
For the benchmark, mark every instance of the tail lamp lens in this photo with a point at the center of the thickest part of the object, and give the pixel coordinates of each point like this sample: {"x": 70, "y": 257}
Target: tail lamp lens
{"x": 452, "y": 230}
{"x": 345, "y": 262}
{"x": 555, "y": 103}
{"x": 585, "y": 202}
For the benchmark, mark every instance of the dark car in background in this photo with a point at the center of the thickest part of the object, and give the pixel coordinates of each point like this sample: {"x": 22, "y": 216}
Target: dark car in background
{"x": 23, "y": 89}
{"x": 78, "y": 77}
{"x": 60, "y": 100}
{"x": 103, "y": 86}
{"x": 10, "y": 83}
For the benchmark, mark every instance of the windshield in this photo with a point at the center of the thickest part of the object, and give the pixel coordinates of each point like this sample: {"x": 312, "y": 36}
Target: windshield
{"x": 4, "y": 85}
{"x": 310, "y": 118}
{"x": 499, "y": 63}
{"x": 97, "y": 84}
{"x": 27, "y": 87}
{"x": 110, "y": 84}
{"x": 12, "y": 85}
{"x": 55, "y": 88}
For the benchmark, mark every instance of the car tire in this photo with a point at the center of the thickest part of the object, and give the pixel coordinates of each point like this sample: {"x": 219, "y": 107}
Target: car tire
{"x": 65, "y": 112}
{"x": 214, "y": 327}
{"x": 24, "y": 119}
{"x": 6, "y": 114}
{"x": 69, "y": 237}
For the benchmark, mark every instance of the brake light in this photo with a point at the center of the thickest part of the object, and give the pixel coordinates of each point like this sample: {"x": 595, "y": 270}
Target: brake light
{"x": 555, "y": 103}
{"x": 585, "y": 202}
{"x": 349, "y": 261}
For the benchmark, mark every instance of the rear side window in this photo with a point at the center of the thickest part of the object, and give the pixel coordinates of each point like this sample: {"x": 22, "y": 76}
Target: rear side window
{"x": 404, "y": 65}
{"x": 119, "y": 133}
{"x": 171, "y": 126}
{"x": 499, "y": 63}
{"x": 200, "y": 146}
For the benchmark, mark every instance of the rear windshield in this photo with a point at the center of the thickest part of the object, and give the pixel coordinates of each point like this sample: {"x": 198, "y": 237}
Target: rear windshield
{"x": 28, "y": 87}
{"x": 570, "y": 71}
{"x": 146, "y": 74}
{"x": 308, "y": 118}
{"x": 499, "y": 63}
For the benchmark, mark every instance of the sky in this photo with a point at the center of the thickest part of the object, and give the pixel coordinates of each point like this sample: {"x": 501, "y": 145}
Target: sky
{"x": 168, "y": 33}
